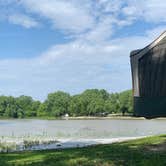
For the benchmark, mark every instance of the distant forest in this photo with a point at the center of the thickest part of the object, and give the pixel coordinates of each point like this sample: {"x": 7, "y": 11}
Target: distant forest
{"x": 91, "y": 102}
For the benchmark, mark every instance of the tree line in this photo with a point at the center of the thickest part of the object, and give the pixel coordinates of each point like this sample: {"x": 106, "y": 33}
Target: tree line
{"x": 91, "y": 102}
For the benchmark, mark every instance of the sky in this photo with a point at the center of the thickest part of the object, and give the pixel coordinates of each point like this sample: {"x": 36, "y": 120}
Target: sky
{"x": 73, "y": 45}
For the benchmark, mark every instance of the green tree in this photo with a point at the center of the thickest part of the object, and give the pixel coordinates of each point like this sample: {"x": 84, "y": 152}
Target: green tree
{"x": 3, "y": 105}
{"x": 112, "y": 103}
{"x": 126, "y": 101}
{"x": 57, "y": 103}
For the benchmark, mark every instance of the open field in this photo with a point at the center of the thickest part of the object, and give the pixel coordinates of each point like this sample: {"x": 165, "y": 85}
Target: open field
{"x": 150, "y": 151}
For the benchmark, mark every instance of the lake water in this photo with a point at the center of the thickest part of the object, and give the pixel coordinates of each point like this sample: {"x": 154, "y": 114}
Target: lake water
{"x": 18, "y": 135}
{"x": 82, "y": 129}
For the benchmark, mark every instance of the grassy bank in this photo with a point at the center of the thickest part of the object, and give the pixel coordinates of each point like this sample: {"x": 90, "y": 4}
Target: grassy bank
{"x": 149, "y": 151}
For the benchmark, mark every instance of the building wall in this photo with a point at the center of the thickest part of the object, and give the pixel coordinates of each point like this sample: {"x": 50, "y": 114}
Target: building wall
{"x": 149, "y": 81}
{"x": 152, "y": 72}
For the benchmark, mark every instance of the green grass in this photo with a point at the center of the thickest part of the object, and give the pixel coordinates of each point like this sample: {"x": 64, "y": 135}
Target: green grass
{"x": 149, "y": 151}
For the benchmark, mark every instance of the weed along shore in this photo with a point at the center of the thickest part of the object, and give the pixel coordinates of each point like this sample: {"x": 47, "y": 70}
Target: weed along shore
{"x": 145, "y": 151}
{"x": 25, "y": 144}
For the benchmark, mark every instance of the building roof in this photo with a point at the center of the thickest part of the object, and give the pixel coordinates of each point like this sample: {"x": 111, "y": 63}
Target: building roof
{"x": 143, "y": 51}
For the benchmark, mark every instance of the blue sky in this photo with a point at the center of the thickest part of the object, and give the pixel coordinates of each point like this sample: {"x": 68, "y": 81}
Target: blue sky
{"x": 73, "y": 45}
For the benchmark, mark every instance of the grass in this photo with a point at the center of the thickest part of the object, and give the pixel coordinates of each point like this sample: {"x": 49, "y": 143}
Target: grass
{"x": 149, "y": 151}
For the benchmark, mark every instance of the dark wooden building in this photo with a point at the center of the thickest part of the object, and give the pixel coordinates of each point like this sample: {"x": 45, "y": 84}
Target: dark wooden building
{"x": 148, "y": 66}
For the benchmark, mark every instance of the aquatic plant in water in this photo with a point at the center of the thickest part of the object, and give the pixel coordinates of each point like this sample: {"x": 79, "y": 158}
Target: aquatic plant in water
{"x": 20, "y": 144}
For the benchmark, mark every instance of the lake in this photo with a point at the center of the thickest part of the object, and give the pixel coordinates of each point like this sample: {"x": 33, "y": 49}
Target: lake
{"x": 82, "y": 129}
{"x": 26, "y": 134}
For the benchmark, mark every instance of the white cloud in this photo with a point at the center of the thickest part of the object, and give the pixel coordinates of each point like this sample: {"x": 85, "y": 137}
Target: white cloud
{"x": 64, "y": 14}
{"x": 75, "y": 17}
{"x": 101, "y": 32}
{"x": 23, "y": 20}
{"x": 155, "y": 11}
{"x": 131, "y": 11}
{"x": 78, "y": 17}
{"x": 149, "y": 10}
{"x": 111, "y": 5}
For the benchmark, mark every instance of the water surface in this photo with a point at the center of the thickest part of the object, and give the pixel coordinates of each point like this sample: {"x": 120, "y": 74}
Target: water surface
{"x": 82, "y": 129}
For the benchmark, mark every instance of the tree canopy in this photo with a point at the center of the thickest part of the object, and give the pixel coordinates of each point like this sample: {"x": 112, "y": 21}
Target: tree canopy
{"x": 91, "y": 102}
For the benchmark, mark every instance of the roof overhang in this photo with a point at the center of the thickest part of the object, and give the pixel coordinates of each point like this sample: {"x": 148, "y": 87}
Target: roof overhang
{"x": 141, "y": 52}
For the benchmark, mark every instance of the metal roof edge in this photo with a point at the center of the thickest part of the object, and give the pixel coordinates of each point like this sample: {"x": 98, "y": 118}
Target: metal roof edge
{"x": 143, "y": 51}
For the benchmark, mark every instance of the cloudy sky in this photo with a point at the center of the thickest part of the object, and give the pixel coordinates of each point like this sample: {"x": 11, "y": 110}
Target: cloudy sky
{"x": 72, "y": 45}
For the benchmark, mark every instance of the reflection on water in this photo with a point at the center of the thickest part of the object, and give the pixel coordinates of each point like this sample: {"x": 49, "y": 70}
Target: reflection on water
{"x": 77, "y": 129}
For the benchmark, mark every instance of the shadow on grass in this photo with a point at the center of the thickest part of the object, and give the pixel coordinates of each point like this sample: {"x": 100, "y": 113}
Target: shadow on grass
{"x": 131, "y": 153}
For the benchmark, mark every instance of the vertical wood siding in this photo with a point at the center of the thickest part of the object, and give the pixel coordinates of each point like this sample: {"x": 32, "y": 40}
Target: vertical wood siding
{"x": 152, "y": 72}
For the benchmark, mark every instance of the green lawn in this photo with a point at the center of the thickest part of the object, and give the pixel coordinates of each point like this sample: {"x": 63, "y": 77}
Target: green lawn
{"x": 149, "y": 151}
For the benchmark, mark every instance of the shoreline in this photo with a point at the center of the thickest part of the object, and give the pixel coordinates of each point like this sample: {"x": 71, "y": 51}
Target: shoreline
{"x": 105, "y": 118}
{"x": 78, "y": 118}
{"x": 17, "y": 144}
{"x": 86, "y": 118}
